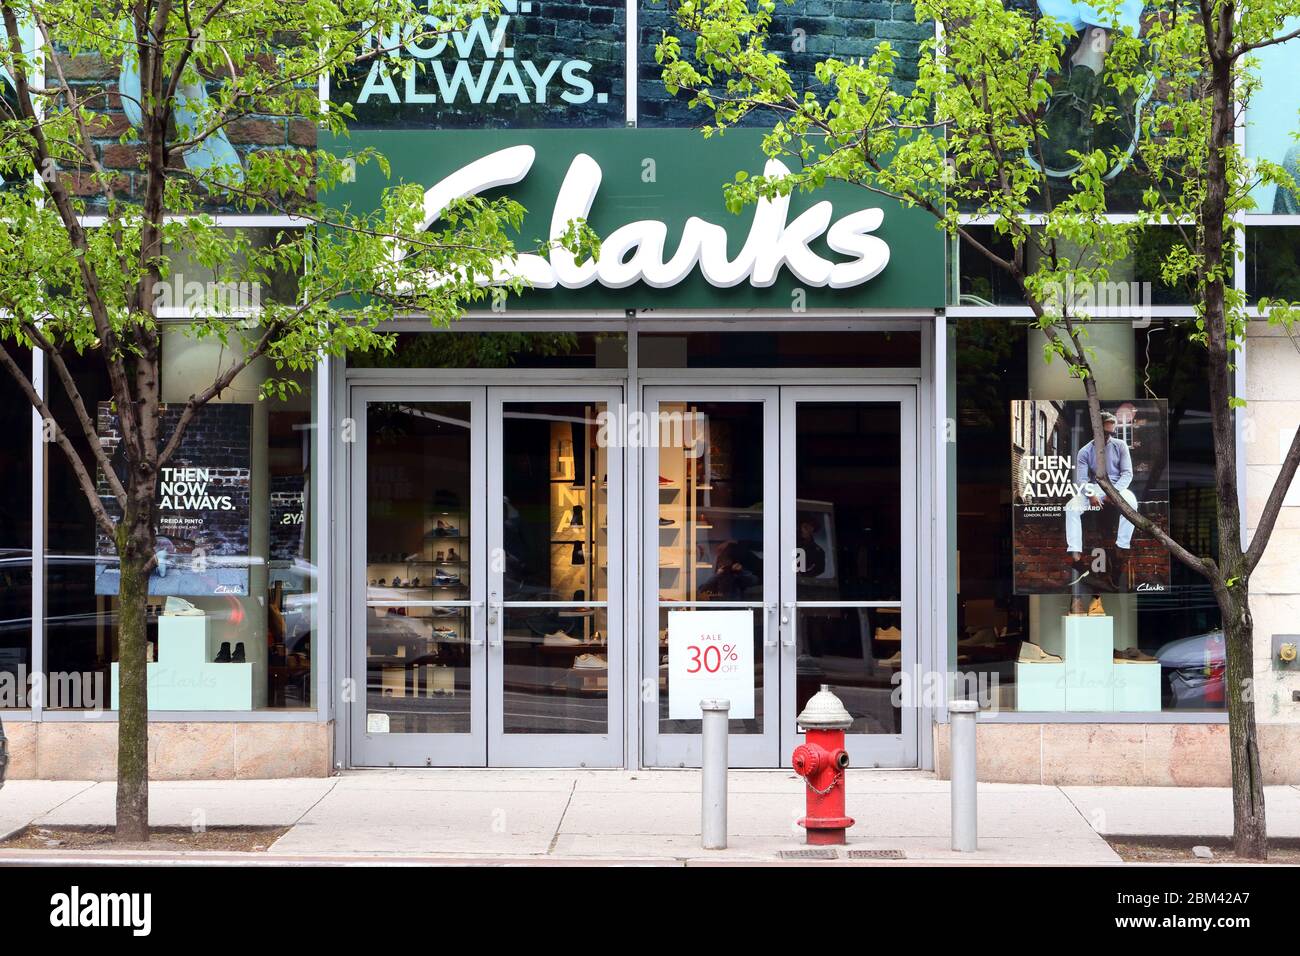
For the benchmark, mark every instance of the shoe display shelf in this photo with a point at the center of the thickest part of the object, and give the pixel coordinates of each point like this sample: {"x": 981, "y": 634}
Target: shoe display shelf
{"x": 1088, "y": 680}
{"x": 184, "y": 677}
{"x": 685, "y": 560}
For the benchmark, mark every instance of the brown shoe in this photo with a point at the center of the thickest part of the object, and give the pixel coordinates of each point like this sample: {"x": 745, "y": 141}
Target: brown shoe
{"x": 1077, "y": 607}
{"x": 1095, "y": 609}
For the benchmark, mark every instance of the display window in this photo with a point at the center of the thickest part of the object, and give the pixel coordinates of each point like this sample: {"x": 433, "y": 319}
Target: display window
{"x": 1061, "y": 604}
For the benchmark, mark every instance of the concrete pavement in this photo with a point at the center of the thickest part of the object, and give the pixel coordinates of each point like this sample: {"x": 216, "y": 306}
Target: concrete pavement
{"x": 644, "y": 816}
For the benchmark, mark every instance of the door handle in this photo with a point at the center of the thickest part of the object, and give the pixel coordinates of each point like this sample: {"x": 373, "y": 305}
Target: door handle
{"x": 768, "y": 610}
{"x": 474, "y": 639}
{"x": 495, "y": 624}
{"x": 788, "y": 624}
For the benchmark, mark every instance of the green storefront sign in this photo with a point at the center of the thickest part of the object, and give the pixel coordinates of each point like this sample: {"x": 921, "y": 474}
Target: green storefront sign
{"x": 655, "y": 198}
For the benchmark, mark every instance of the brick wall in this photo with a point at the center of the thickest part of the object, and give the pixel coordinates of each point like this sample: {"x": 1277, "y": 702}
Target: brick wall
{"x": 1041, "y": 562}
{"x": 219, "y": 438}
{"x": 96, "y": 83}
{"x": 804, "y": 32}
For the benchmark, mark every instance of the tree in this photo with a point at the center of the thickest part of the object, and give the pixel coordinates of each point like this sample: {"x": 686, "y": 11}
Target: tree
{"x": 189, "y": 69}
{"x": 985, "y": 133}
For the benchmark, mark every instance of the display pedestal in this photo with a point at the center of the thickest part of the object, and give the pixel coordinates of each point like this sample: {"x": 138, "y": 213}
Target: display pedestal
{"x": 1040, "y": 687}
{"x": 184, "y": 677}
{"x": 1089, "y": 663}
{"x": 1137, "y": 686}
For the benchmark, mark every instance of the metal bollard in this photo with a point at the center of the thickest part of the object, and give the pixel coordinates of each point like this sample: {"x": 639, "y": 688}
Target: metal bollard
{"x": 963, "y": 779}
{"x": 713, "y": 822}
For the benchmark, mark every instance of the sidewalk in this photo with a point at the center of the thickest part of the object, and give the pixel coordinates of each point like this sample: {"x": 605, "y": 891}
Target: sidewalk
{"x": 548, "y": 816}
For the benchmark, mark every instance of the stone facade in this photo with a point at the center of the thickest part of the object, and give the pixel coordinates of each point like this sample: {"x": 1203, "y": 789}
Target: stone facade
{"x": 190, "y": 750}
{"x": 1119, "y": 755}
{"x": 1272, "y": 415}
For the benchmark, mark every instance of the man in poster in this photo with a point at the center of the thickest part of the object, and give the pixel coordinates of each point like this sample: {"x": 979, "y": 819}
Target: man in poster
{"x": 1119, "y": 468}
{"x": 1058, "y": 505}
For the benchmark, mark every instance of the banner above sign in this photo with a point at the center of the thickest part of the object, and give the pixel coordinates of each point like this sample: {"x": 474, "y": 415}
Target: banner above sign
{"x": 655, "y": 198}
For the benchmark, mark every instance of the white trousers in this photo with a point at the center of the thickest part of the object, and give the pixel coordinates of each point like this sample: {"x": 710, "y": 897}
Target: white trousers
{"x": 1074, "y": 510}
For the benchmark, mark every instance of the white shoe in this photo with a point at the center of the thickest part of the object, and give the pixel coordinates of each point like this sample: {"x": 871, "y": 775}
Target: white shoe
{"x": 1031, "y": 653}
{"x": 559, "y": 639}
{"x": 590, "y": 662}
{"x": 179, "y": 607}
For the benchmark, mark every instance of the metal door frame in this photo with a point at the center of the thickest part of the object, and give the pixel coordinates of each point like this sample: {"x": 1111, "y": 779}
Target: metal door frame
{"x": 874, "y": 750}
{"x": 417, "y": 750}
{"x": 553, "y": 750}
{"x": 683, "y": 750}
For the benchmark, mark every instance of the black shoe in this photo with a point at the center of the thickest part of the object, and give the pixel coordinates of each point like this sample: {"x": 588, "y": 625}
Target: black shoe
{"x": 577, "y": 554}
{"x": 223, "y": 655}
{"x": 238, "y": 657}
{"x": 575, "y": 521}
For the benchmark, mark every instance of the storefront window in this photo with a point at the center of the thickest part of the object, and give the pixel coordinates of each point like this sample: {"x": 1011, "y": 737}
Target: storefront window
{"x": 893, "y": 349}
{"x": 1273, "y": 263}
{"x": 1135, "y": 282}
{"x": 232, "y": 595}
{"x": 1061, "y": 605}
{"x": 499, "y": 350}
{"x": 15, "y": 537}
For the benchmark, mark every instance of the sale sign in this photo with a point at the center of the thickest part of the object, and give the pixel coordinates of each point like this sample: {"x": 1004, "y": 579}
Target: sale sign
{"x": 710, "y": 655}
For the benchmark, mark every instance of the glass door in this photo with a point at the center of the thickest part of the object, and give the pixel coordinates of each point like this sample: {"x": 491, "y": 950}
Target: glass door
{"x": 417, "y": 598}
{"x": 848, "y": 574}
{"x": 554, "y": 612}
{"x": 710, "y": 543}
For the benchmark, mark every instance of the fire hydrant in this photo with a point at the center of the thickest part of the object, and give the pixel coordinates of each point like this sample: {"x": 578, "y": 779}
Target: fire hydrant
{"x": 821, "y": 760}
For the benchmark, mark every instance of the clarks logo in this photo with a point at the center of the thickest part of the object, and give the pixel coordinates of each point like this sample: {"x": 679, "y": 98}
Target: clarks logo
{"x": 636, "y": 252}
{"x": 76, "y": 909}
{"x": 1150, "y": 587}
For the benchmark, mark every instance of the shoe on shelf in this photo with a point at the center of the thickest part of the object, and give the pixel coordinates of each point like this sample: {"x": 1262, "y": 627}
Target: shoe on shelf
{"x": 451, "y": 555}
{"x": 442, "y": 579}
{"x": 179, "y": 607}
{"x": 414, "y": 556}
{"x": 591, "y": 662}
{"x": 559, "y": 639}
{"x": 223, "y": 655}
{"x": 1031, "y": 653}
{"x": 665, "y": 522}
{"x": 238, "y": 657}
{"x": 664, "y": 482}
{"x": 1095, "y": 609}
{"x": 1131, "y": 655}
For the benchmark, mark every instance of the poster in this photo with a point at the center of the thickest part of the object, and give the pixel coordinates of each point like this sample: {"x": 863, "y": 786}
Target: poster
{"x": 537, "y": 63}
{"x": 1273, "y": 123}
{"x": 1065, "y": 533}
{"x": 710, "y": 655}
{"x": 204, "y": 504}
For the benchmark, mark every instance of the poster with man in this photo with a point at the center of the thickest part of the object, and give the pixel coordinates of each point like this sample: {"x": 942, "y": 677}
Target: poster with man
{"x": 204, "y": 504}
{"x": 1067, "y": 535}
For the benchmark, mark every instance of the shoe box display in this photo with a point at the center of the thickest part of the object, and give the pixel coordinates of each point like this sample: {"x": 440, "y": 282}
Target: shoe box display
{"x": 562, "y": 648}
{"x": 1091, "y": 675}
{"x": 194, "y": 670}
{"x": 432, "y": 562}
{"x": 694, "y": 476}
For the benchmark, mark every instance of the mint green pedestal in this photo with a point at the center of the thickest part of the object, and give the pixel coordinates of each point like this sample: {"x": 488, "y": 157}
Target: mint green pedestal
{"x": 1040, "y": 687}
{"x": 184, "y": 677}
{"x": 1137, "y": 687}
{"x": 1089, "y": 663}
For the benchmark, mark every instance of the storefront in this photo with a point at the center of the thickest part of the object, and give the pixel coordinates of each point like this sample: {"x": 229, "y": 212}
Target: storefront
{"x": 814, "y": 418}
{"x": 731, "y": 426}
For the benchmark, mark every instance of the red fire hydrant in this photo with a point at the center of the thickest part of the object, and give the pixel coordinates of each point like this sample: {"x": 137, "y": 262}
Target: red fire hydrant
{"x": 821, "y": 761}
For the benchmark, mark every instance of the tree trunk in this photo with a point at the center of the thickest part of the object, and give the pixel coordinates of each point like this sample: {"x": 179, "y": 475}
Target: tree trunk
{"x": 1249, "y": 831}
{"x": 135, "y": 552}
